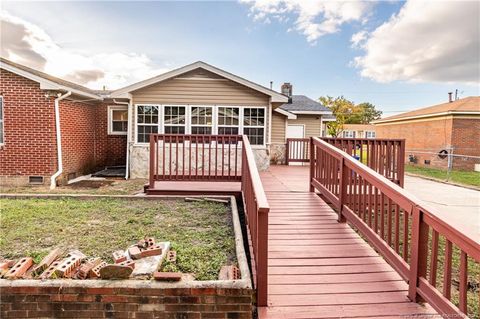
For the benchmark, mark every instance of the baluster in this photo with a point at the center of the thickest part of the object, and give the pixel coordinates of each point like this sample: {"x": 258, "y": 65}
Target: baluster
{"x": 434, "y": 259}
{"x": 447, "y": 270}
{"x": 463, "y": 289}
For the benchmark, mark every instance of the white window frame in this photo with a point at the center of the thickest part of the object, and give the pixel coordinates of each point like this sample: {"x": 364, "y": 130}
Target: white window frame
{"x": 2, "y": 109}
{"x": 190, "y": 126}
{"x": 160, "y": 111}
{"x": 372, "y": 133}
{"x": 255, "y": 126}
{"x": 112, "y": 108}
{"x": 352, "y": 133}
{"x": 240, "y": 118}
{"x": 187, "y": 118}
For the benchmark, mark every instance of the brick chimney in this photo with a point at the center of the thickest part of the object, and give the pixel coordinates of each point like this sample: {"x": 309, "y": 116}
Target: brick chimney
{"x": 287, "y": 89}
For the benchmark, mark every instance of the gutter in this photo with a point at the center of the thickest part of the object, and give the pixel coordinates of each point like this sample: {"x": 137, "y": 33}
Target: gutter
{"x": 53, "y": 178}
{"x": 127, "y": 162}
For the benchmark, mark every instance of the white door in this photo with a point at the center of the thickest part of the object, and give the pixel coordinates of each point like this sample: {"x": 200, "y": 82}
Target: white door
{"x": 296, "y": 150}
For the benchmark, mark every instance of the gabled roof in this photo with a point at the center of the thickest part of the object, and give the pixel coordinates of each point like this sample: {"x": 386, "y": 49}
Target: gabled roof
{"x": 123, "y": 92}
{"x": 47, "y": 82}
{"x": 468, "y": 105}
{"x": 302, "y": 104}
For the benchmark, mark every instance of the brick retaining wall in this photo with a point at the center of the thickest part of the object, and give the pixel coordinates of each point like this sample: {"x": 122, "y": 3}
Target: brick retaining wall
{"x": 123, "y": 299}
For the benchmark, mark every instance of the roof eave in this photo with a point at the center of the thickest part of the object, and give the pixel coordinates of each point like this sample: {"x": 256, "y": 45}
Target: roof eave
{"x": 406, "y": 118}
{"x": 288, "y": 114}
{"x": 312, "y": 112}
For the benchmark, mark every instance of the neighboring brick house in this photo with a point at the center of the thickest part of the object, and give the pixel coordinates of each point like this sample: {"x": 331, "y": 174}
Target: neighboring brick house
{"x": 358, "y": 131}
{"x": 433, "y": 133}
{"x": 29, "y": 144}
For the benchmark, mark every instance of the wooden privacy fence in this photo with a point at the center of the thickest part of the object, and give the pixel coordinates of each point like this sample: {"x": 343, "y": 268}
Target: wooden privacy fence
{"x": 256, "y": 212}
{"x": 385, "y": 156}
{"x": 426, "y": 251}
{"x": 178, "y": 157}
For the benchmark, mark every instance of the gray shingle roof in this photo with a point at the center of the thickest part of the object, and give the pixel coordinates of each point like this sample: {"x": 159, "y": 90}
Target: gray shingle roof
{"x": 304, "y": 103}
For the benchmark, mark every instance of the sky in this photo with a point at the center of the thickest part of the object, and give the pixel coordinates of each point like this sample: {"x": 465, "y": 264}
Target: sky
{"x": 397, "y": 55}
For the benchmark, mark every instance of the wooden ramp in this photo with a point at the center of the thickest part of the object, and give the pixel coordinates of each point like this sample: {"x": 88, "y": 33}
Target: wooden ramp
{"x": 319, "y": 268}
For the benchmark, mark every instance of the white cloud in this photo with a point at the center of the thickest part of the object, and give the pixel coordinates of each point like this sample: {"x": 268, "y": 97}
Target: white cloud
{"x": 315, "y": 18}
{"x": 28, "y": 44}
{"x": 358, "y": 39}
{"x": 427, "y": 41}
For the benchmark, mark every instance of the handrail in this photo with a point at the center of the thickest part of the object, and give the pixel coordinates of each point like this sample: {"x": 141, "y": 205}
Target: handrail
{"x": 377, "y": 207}
{"x": 256, "y": 212}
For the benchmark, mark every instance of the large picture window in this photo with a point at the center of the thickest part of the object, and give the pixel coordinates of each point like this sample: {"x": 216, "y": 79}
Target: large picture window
{"x": 174, "y": 119}
{"x": 254, "y": 125}
{"x": 147, "y": 122}
{"x": 228, "y": 120}
{"x": 201, "y": 119}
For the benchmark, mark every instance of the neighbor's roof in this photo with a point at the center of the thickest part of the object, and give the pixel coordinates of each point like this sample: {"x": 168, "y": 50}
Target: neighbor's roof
{"x": 47, "y": 81}
{"x": 304, "y": 105}
{"x": 468, "y": 105}
{"x": 275, "y": 96}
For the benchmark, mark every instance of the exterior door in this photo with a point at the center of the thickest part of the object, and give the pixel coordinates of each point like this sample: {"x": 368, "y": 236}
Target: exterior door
{"x": 296, "y": 150}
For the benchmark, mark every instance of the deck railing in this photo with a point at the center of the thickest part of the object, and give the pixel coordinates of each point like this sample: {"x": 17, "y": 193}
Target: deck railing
{"x": 179, "y": 157}
{"x": 426, "y": 251}
{"x": 385, "y": 156}
{"x": 297, "y": 150}
{"x": 256, "y": 211}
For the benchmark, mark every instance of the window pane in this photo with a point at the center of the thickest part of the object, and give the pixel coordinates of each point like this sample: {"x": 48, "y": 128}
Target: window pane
{"x": 228, "y": 115}
{"x": 174, "y": 129}
{"x": 201, "y": 115}
{"x": 228, "y": 130}
{"x": 255, "y": 135}
{"x": 254, "y": 117}
{"x": 119, "y": 115}
{"x": 144, "y": 131}
{"x": 201, "y": 130}
{"x": 118, "y": 126}
{"x": 174, "y": 115}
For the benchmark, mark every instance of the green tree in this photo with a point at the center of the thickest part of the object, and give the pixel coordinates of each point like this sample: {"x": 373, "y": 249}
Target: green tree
{"x": 346, "y": 112}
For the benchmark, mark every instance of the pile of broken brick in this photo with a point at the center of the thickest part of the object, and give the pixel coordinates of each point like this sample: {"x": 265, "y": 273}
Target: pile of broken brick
{"x": 76, "y": 265}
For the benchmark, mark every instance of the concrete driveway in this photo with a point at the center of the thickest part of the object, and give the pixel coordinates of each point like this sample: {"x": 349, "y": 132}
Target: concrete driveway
{"x": 458, "y": 205}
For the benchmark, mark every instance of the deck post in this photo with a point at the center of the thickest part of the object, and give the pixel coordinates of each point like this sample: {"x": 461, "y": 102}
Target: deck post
{"x": 419, "y": 252}
{"x": 152, "y": 160}
{"x": 262, "y": 258}
{"x": 287, "y": 151}
{"x": 312, "y": 165}
{"x": 342, "y": 191}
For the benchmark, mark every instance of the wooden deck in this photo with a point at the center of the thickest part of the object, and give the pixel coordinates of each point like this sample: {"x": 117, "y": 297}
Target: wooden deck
{"x": 319, "y": 268}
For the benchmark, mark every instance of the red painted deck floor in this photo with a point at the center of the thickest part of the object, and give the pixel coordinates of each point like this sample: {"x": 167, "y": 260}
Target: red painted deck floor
{"x": 319, "y": 268}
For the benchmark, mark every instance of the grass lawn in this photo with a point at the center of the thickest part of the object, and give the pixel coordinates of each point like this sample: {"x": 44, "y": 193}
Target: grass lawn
{"x": 200, "y": 232}
{"x": 460, "y": 177}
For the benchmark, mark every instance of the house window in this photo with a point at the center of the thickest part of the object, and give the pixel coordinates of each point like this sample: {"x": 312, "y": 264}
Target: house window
{"x": 370, "y": 134}
{"x": 147, "y": 122}
{"x": 254, "y": 125}
{"x": 349, "y": 134}
{"x": 228, "y": 120}
{"x": 201, "y": 119}
{"x": 174, "y": 119}
{"x": 1, "y": 119}
{"x": 117, "y": 120}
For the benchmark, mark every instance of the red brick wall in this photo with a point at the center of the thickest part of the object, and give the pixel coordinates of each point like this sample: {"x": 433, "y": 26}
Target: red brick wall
{"x": 29, "y": 126}
{"x": 466, "y": 141}
{"x": 421, "y": 138}
{"x": 77, "y": 123}
{"x": 111, "y": 149}
{"x": 64, "y": 301}
{"x": 30, "y": 136}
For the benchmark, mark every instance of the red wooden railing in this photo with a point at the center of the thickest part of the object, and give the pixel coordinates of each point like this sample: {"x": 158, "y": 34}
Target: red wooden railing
{"x": 385, "y": 156}
{"x": 297, "y": 150}
{"x": 256, "y": 211}
{"x": 420, "y": 246}
{"x": 219, "y": 158}
{"x": 178, "y": 157}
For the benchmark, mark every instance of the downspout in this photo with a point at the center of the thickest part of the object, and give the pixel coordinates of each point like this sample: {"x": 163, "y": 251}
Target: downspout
{"x": 127, "y": 160}
{"x": 53, "y": 179}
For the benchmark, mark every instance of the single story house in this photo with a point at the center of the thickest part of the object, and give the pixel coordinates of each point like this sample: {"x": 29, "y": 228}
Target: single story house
{"x": 442, "y": 135}
{"x": 358, "y": 131}
{"x": 54, "y": 130}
